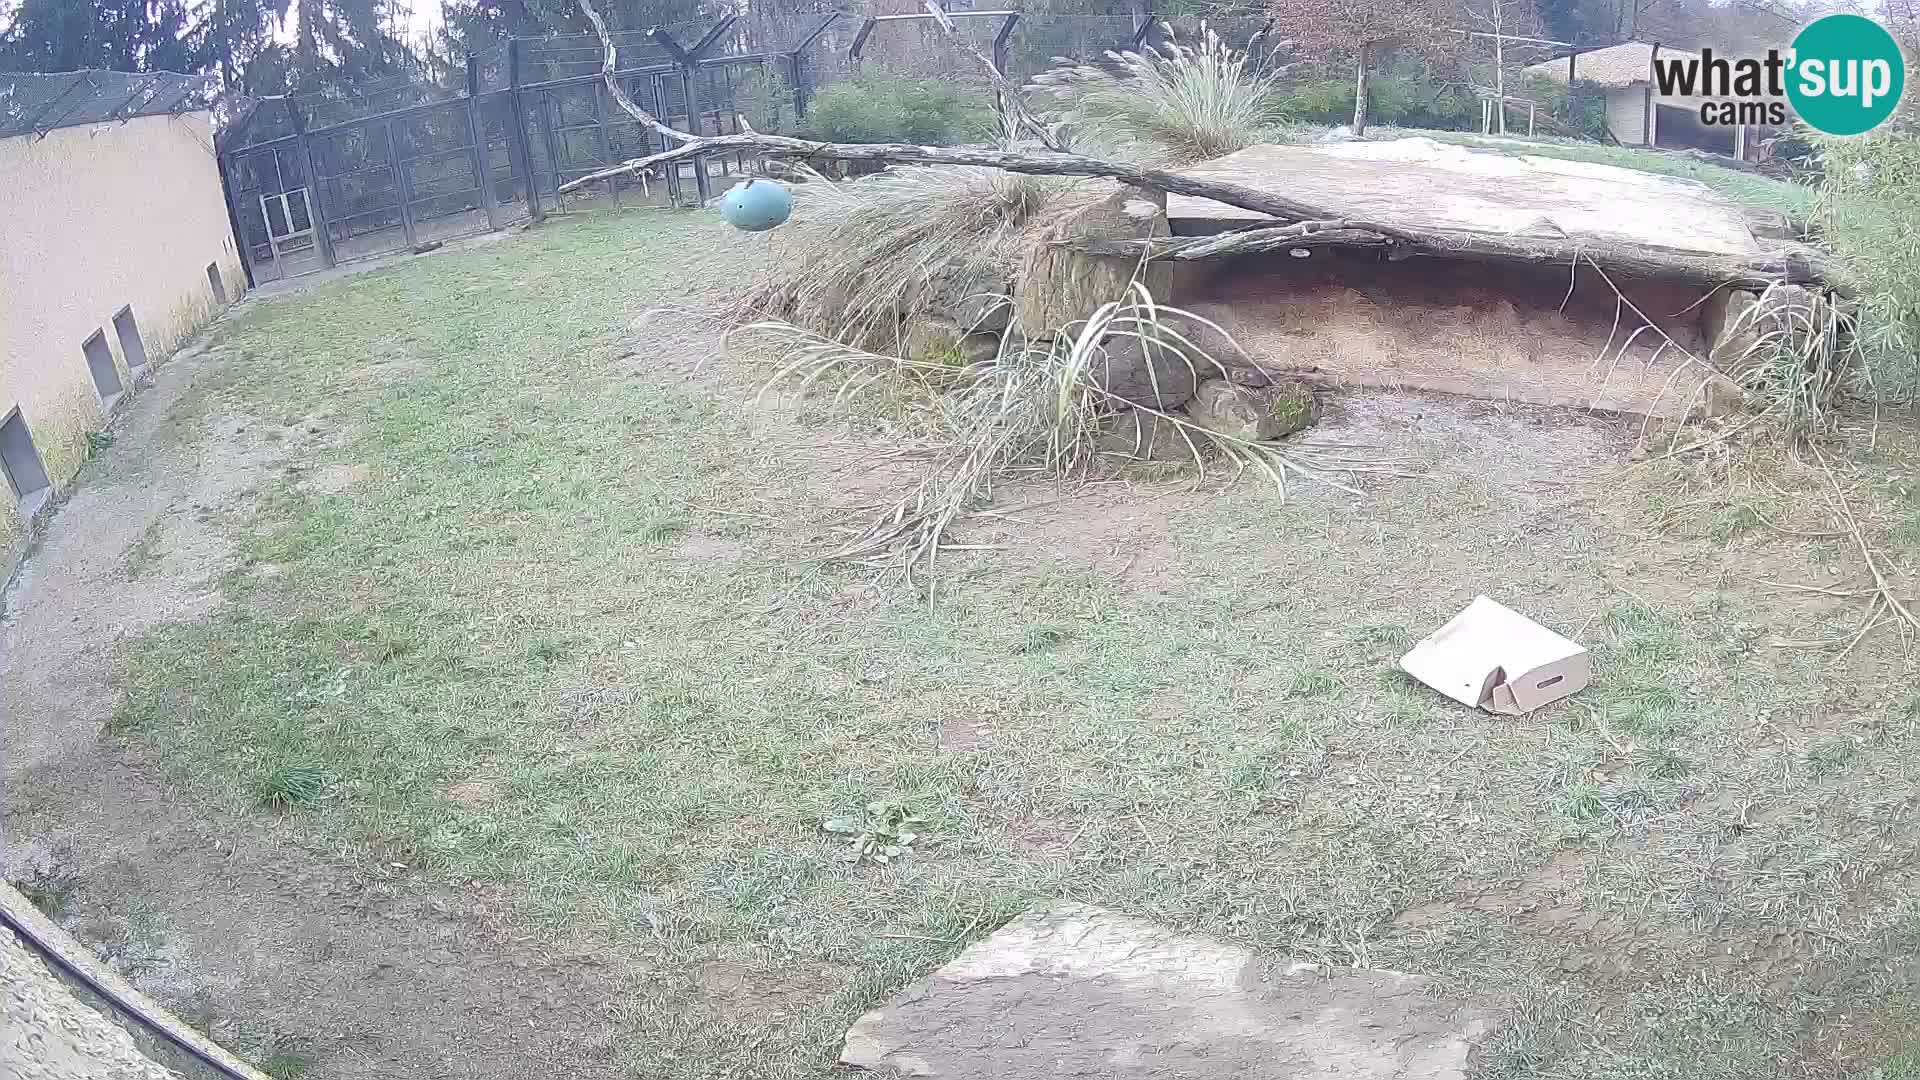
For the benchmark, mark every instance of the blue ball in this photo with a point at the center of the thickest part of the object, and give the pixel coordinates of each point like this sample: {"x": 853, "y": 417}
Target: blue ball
{"x": 756, "y": 205}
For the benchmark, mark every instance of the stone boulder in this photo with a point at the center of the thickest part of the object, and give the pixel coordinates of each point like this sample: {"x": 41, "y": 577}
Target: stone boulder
{"x": 1252, "y": 413}
{"x": 943, "y": 340}
{"x": 1159, "y": 377}
{"x": 975, "y": 295}
{"x": 1140, "y": 436}
{"x": 1058, "y": 285}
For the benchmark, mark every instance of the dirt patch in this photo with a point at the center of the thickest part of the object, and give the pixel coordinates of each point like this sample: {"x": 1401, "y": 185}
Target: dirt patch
{"x": 1548, "y": 897}
{"x": 334, "y": 479}
{"x": 964, "y": 734}
{"x": 389, "y": 366}
{"x": 704, "y": 546}
{"x": 139, "y": 543}
{"x": 382, "y": 972}
{"x": 730, "y": 986}
{"x": 476, "y": 792}
{"x": 1045, "y": 837}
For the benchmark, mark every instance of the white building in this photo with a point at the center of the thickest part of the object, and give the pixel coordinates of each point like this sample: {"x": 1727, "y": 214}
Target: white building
{"x": 1637, "y": 115}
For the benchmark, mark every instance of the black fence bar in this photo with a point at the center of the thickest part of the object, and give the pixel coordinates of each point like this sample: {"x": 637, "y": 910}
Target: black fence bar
{"x": 546, "y": 140}
{"x": 455, "y": 170}
{"x": 517, "y": 138}
{"x": 482, "y": 175}
{"x": 601, "y": 103}
{"x": 317, "y": 188}
{"x": 400, "y": 186}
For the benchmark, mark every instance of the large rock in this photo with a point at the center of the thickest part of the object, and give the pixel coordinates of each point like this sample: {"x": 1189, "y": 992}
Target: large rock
{"x": 1058, "y": 285}
{"x": 945, "y": 341}
{"x": 1142, "y": 436}
{"x": 1076, "y": 991}
{"x": 1159, "y": 377}
{"x": 972, "y": 294}
{"x": 1728, "y": 326}
{"x": 1252, "y": 413}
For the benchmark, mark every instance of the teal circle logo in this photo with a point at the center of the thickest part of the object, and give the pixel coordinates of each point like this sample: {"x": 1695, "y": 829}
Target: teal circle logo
{"x": 1846, "y": 75}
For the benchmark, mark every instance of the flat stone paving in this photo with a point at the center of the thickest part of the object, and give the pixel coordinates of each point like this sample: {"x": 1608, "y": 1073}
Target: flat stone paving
{"x": 1420, "y": 182}
{"x": 1080, "y": 991}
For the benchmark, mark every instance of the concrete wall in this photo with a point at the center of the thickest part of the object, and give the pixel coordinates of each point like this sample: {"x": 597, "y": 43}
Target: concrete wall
{"x": 96, "y": 218}
{"x": 1626, "y": 114}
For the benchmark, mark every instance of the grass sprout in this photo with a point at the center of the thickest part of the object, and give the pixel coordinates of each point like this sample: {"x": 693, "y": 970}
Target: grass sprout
{"x": 1185, "y": 104}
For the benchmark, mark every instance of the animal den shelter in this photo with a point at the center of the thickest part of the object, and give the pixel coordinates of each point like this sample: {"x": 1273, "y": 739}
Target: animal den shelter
{"x": 116, "y": 247}
{"x": 1545, "y": 332}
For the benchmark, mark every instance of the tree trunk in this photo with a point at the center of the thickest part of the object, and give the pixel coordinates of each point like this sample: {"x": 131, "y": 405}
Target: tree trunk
{"x": 1360, "y": 94}
{"x": 1500, "y": 66}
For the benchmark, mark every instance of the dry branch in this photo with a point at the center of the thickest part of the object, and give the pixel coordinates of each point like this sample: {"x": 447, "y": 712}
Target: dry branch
{"x": 1010, "y": 100}
{"x": 1634, "y": 260}
{"x": 1838, "y": 501}
{"x": 608, "y": 57}
{"x": 1301, "y": 224}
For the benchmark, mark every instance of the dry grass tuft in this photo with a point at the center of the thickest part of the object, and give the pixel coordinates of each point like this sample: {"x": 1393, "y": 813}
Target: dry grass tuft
{"x": 852, "y": 263}
{"x": 1802, "y": 350}
{"x": 1033, "y": 410}
{"x": 1187, "y": 104}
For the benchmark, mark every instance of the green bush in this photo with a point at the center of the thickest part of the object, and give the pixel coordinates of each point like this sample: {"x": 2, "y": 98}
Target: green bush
{"x": 874, "y": 108}
{"x": 767, "y": 101}
{"x": 1582, "y": 110}
{"x": 1869, "y": 208}
{"x": 1398, "y": 95}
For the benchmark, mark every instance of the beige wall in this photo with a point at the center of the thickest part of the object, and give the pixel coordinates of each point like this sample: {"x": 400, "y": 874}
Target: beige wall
{"x": 94, "y": 218}
{"x": 1626, "y": 113}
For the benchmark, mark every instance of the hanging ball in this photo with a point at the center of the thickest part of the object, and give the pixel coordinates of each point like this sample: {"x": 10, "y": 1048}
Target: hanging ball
{"x": 756, "y": 205}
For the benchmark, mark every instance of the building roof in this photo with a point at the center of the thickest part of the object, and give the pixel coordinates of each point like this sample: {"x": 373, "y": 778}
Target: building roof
{"x": 41, "y": 103}
{"x": 1613, "y": 66}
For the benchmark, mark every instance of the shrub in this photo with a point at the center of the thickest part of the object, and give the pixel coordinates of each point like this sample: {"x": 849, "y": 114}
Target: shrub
{"x": 1869, "y": 209}
{"x": 1401, "y": 93}
{"x": 767, "y": 101}
{"x": 1183, "y": 105}
{"x": 1581, "y": 108}
{"x": 849, "y": 264}
{"x": 877, "y": 107}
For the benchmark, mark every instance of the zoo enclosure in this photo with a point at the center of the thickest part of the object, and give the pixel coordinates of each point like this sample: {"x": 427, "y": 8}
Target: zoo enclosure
{"x": 313, "y": 182}
{"x": 316, "y": 181}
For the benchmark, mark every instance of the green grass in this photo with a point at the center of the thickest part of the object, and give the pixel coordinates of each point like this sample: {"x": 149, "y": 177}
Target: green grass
{"x": 285, "y": 1065}
{"x": 525, "y": 596}
{"x": 1742, "y": 187}
{"x": 52, "y": 895}
{"x": 140, "y": 554}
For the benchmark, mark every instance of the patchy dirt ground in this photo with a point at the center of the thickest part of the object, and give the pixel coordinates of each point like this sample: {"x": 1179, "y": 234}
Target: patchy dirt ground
{"x": 277, "y": 946}
{"x": 431, "y": 684}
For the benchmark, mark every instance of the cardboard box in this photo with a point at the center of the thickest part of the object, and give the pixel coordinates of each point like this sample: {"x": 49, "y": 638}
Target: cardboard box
{"x": 1494, "y": 658}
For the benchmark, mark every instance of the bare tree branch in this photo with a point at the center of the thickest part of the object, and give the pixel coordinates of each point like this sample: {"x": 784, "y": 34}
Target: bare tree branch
{"x": 608, "y": 58}
{"x": 1010, "y": 99}
{"x": 1297, "y": 224}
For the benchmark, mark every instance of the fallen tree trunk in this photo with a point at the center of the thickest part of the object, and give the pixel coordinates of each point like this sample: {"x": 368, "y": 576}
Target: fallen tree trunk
{"x": 1798, "y": 266}
{"x": 1303, "y": 224}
